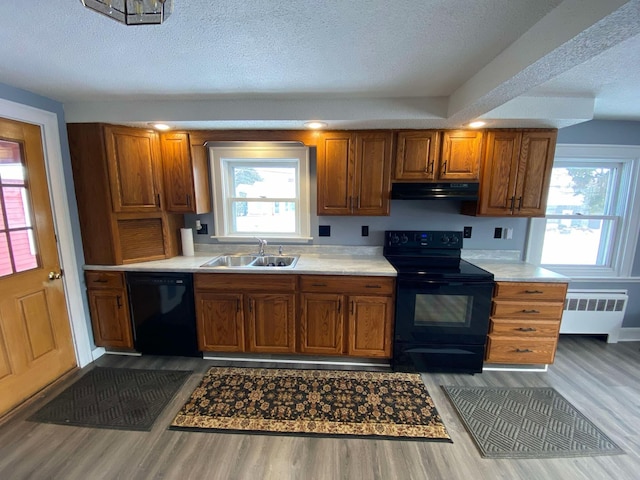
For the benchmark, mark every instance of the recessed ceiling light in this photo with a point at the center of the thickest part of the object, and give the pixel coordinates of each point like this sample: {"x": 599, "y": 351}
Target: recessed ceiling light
{"x": 314, "y": 125}
{"x": 160, "y": 126}
{"x": 477, "y": 124}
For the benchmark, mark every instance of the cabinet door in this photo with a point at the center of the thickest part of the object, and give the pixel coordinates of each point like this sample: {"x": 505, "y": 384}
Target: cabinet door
{"x": 322, "y": 324}
{"x": 133, "y": 162}
{"x": 373, "y": 173}
{"x": 270, "y": 323}
{"x": 461, "y": 152}
{"x": 178, "y": 173}
{"x": 335, "y": 173}
{"x": 417, "y": 155}
{"x": 110, "y": 318}
{"x": 219, "y": 322}
{"x": 534, "y": 173}
{"x": 497, "y": 192}
{"x": 370, "y": 326}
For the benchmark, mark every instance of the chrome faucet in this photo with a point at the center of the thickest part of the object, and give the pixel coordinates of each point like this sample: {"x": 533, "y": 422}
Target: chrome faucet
{"x": 262, "y": 243}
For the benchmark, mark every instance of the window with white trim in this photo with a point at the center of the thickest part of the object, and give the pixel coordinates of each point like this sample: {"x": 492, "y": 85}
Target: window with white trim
{"x": 260, "y": 189}
{"x": 590, "y": 226}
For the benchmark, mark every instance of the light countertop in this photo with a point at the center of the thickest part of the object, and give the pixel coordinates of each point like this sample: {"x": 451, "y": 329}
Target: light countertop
{"x": 338, "y": 261}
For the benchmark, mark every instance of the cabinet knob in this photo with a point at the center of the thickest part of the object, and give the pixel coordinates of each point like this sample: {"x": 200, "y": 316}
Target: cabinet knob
{"x": 523, "y": 350}
{"x": 523, "y": 329}
{"x": 530, "y": 311}
{"x": 533, "y": 291}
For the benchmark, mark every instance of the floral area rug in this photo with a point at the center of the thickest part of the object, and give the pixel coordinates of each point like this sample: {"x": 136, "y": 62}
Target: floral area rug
{"x": 324, "y": 402}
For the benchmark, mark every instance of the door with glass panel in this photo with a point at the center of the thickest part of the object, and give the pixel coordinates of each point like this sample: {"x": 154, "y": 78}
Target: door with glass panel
{"x": 36, "y": 346}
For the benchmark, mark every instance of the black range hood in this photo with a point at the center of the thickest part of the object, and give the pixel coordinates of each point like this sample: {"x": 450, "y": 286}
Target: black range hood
{"x": 434, "y": 191}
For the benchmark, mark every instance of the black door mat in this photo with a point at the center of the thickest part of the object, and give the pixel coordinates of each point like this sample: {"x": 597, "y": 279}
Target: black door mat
{"x": 527, "y": 423}
{"x": 119, "y": 398}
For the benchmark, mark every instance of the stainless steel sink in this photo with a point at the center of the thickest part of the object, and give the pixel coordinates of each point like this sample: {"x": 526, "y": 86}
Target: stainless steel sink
{"x": 231, "y": 261}
{"x": 252, "y": 261}
{"x": 275, "y": 261}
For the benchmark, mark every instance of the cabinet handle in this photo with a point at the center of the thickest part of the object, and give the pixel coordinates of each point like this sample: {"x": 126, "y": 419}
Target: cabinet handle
{"x": 523, "y": 350}
{"x": 528, "y": 329}
{"x": 101, "y": 280}
{"x": 513, "y": 201}
{"x": 533, "y": 292}
{"x": 352, "y": 305}
{"x": 519, "y": 203}
{"x": 318, "y": 284}
{"x": 157, "y": 199}
{"x": 188, "y": 200}
{"x": 373, "y": 286}
{"x": 430, "y": 167}
{"x": 119, "y": 301}
{"x": 530, "y": 311}
{"x": 339, "y": 305}
{"x": 251, "y": 305}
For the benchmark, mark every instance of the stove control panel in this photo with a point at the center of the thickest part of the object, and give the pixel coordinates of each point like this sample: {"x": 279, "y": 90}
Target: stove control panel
{"x": 423, "y": 239}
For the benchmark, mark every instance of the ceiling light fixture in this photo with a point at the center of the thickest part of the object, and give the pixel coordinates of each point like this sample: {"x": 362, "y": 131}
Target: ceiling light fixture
{"x": 477, "y": 124}
{"x": 133, "y": 12}
{"x": 160, "y": 126}
{"x": 315, "y": 125}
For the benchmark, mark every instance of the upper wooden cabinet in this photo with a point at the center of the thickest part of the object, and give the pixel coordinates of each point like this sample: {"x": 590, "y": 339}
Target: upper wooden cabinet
{"x": 354, "y": 173}
{"x": 433, "y": 155}
{"x": 117, "y": 179}
{"x": 133, "y": 160}
{"x": 186, "y": 178}
{"x": 516, "y": 173}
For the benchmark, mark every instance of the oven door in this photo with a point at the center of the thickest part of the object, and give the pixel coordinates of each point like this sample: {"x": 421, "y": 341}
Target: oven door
{"x": 442, "y": 311}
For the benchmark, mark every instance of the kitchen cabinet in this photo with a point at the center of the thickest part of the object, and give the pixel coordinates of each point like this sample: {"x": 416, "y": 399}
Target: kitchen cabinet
{"x": 349, "y": 315}
{"x": 245, "y": 312}
{"x": 516, "y": 173}
{"x": 186, "y": 177}
{"x": 118, "y": 186}
{"x": 133, "y": 160}
{"x": 525, "y": 322}
{"x": 433, "y": 155}
{"x": 109, "y": 308}
{"x": 354, "y": 173}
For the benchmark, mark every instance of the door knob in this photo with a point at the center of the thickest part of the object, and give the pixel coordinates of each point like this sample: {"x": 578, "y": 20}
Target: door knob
{"x": 55, "y": 275}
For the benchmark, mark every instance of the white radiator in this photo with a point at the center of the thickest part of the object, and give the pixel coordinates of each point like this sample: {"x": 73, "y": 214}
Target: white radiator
{"x": 594, "y": 312}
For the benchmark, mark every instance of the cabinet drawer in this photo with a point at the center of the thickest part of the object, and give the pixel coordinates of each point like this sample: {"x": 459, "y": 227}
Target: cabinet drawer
{"x": 347, "y": 284}
{"x": 530, "y": 291}
{"x": 529, "y": 329}
{"x": 247, "y": 282}
{"x": 532, "y": 310}
{"x": 104, "y": 279}
{"x": 520, "y": 350}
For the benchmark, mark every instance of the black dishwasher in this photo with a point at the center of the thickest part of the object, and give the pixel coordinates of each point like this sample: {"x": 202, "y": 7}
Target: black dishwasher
{"x": 163, "y": 313}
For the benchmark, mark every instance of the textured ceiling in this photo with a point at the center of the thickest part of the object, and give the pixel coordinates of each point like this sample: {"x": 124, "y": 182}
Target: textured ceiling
{"x": 354, "y": 63}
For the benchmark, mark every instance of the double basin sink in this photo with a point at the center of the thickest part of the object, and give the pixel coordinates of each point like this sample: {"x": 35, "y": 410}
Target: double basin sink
{"x": 252, "y": 261}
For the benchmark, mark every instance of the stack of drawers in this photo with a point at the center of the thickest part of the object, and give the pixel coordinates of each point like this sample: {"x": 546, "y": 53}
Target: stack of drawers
{"x": 525, "y": 322}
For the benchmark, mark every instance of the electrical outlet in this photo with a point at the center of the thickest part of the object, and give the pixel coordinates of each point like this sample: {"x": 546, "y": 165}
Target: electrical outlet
{"x": 365, "y": 230}
{"x": 324, "y": 230}
{"x": 497, "y": 233}
{"x": 204, "y": 229}
{"x": 466, "y": 232}
{"x": 508, "y": 233}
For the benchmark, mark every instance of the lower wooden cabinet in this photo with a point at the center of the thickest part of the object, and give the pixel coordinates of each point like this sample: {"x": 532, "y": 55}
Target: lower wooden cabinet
{"x": 346, "y": 315}
{"x": 245, "y": 313}
{"x": 525, "y": 322}
{"x": 109, "y": 308}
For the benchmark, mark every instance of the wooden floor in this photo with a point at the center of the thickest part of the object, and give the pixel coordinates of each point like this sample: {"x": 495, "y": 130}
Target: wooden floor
{"x": 602, "y": 380}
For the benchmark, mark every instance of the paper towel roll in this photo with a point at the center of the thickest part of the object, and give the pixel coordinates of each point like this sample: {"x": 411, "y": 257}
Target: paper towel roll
{"x": 187, "y": 242}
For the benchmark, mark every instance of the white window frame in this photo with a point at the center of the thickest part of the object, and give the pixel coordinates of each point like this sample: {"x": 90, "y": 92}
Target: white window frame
{"x": 223, "y": 156}
{"x": 626, "y": 236}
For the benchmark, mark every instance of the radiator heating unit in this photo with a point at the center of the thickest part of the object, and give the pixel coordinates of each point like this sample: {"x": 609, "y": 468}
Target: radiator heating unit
{"x": 594, "y": 312}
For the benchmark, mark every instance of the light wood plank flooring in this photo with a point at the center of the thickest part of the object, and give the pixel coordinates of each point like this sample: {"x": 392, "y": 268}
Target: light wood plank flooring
{"x": 602, "y": 380}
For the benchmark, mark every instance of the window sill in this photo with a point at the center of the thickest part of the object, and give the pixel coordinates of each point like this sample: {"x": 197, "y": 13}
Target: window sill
{"x": 252, "y": 239}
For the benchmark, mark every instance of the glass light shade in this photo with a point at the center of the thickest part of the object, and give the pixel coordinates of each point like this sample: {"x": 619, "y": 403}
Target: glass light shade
{"x": 133, "y": 12}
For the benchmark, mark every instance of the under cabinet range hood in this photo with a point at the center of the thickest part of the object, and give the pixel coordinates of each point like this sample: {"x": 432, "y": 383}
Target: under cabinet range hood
{"x": 434, "y": 191}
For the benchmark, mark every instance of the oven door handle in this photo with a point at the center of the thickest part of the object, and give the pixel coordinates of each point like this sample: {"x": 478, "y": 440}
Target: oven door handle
{"x": 440, "y": 283}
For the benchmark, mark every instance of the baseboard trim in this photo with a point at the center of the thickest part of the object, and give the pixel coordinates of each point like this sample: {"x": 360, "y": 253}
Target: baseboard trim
{"x": 629, "y": 335}
{"x": 97, "y": 352}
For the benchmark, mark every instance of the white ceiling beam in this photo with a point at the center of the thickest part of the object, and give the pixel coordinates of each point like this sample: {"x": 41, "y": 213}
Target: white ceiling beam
{"x": 572, "y": 33}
